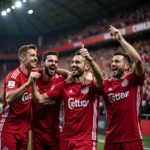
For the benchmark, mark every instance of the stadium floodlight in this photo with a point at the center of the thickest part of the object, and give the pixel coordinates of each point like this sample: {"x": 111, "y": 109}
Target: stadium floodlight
{"x": 13, "y": 7}
{"x": 3, "y": 13}
{"x": 8, "y": 10}
{"x": 30, "y": 12}
{"x": 18, "y": 4}
{"x": 24, "y": 1}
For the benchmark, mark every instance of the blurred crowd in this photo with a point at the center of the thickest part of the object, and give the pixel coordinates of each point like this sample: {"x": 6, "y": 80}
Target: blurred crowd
{"x": 119, "y": 20}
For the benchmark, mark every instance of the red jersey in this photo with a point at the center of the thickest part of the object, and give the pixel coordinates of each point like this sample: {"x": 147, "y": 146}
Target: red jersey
{"x": 122, "y": 99}
{"x": 81, "y": 105}
{"x": 45, "y": 117}
{"x": 16, "y": 117}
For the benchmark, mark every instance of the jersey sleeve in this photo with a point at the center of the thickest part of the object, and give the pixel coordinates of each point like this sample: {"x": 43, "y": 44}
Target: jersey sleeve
{"x": 11, "y": 84}
{"x": 56, "y": 92}
{"x": 135, "y": 79}
{"x": 95, "y": 89}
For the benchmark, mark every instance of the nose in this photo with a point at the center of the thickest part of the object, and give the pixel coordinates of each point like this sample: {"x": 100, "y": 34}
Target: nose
{"x": 36, "y": 58}
{"x": 113, "y": 64}
{"x": 73, "y": 64}
{"x": 53, "y": 63}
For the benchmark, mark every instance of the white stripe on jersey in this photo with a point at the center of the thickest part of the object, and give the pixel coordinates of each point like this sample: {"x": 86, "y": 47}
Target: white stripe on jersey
{"x": 138, "y": 101}
{"x": 15, "y": 73}
{"x": 4, "y": 116}
{"x": 94, "y": 118}
{"x": 94, "y": 145}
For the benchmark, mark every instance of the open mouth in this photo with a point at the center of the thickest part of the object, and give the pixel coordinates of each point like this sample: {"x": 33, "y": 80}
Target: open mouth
{"x": 34, "y": 63}
{"x": 74, "y": 69}
{"x": 52, "y": 69}
{"x": 114, "y": 69}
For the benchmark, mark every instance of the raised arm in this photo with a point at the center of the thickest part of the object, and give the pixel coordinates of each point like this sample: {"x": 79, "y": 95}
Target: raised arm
{"x": 95, "y": 67}
{"x": 63, "y": 72}
{"x": 138, "y": 67}
{"x": 14, "y": 95}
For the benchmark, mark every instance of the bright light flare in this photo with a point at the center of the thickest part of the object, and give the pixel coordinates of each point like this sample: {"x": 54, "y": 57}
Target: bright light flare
{"x": 18, "y": 4}
{"x": 30, "y": 12}
{"x": 3, "y": 13}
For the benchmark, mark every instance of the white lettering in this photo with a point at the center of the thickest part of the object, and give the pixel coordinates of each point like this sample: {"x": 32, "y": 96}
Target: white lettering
{"x": 116, "y": 97}
{"x": 26, "y": 97}
{"x": 141, "y": 26}
{"x": 51, "y": 102}
{"x": 72, "y": 103}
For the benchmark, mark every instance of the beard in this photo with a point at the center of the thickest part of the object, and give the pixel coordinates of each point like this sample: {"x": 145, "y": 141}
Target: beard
{"x": 78, "y": 73}
{"x": 49, "y": 72}
{"x": 118, "y": 73}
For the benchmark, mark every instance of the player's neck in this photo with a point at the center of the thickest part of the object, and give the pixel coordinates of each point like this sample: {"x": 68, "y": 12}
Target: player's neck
{"x": 81, "y": 78}
{"x": 122, "y": 77}
{"x": 78, "y": 79}
{"x": 45, "y": 77}
{"x": 25, "y": 70}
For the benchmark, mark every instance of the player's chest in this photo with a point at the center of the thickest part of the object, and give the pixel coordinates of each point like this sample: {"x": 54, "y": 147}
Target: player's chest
{"x": 76, "y": 97}
{"x": 44, "y": 88}
{"x": 79, "y": 92}
{"x": 116, "y": 92}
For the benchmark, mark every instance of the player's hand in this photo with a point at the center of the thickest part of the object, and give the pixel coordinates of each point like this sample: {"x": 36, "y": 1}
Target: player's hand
{"x": 84, "y": 53}
{"x": 33, "y": 77}
{"x": 88, "y": 78}
{"x": 114, "y": 33}
{"x": 70, "y": 79}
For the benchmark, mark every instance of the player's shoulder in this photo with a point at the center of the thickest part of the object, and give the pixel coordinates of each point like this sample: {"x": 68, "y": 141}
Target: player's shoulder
{"x": 13, "y": 74}
{"x": 108, "y": 80}
{"x": 58, "y": 77}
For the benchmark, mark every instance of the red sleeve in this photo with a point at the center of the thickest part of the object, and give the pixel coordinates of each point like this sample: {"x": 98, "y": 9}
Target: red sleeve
{"x": 11, "y": 83}
{"x": 136, "y": 80}
{"x": 95, "y": 89}
{"x": 56, "y": 93}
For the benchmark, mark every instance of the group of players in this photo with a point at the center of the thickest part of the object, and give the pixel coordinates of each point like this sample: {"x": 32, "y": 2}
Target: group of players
{"x": 32, "y": 101}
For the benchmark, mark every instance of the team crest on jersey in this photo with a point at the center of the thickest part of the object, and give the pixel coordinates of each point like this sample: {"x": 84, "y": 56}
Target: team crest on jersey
{"x": 5, "y": 148}
{"x": 52, "y": 87}
{"x": 11, "y": 84}
{"x": 125, "y": 83}
{"x": 85, "y": 90}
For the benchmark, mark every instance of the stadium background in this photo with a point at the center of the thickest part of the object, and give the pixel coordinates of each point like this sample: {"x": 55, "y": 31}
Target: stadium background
{"x": 62, "y": 25}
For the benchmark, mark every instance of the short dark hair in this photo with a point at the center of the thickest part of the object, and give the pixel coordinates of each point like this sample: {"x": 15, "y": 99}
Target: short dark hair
{"x": 126, "y": 57}
{"x": 44, "y": 57}
{"x": 23, "y": 50}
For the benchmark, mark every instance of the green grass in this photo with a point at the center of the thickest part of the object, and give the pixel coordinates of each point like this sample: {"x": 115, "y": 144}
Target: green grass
{"x": 146, "y": 140}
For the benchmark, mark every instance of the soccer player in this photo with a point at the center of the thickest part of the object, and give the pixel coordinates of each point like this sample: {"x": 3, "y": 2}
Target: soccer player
{"x": 122, "y": 96}
{"x": 80, "y": 104}
{"x": 15, "y": 118}
{"x": 45, "y": 119}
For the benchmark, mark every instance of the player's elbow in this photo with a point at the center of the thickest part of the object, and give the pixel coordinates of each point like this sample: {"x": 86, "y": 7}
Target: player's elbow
{"x": 9, "y": 100}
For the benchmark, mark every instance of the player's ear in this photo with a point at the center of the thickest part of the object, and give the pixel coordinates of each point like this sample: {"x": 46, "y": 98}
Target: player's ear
{"x": 42, "y": 63}
{"x": 87, "y": 67}
{"x": 22, "y": 58}
{"x": 127, "y": 66}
